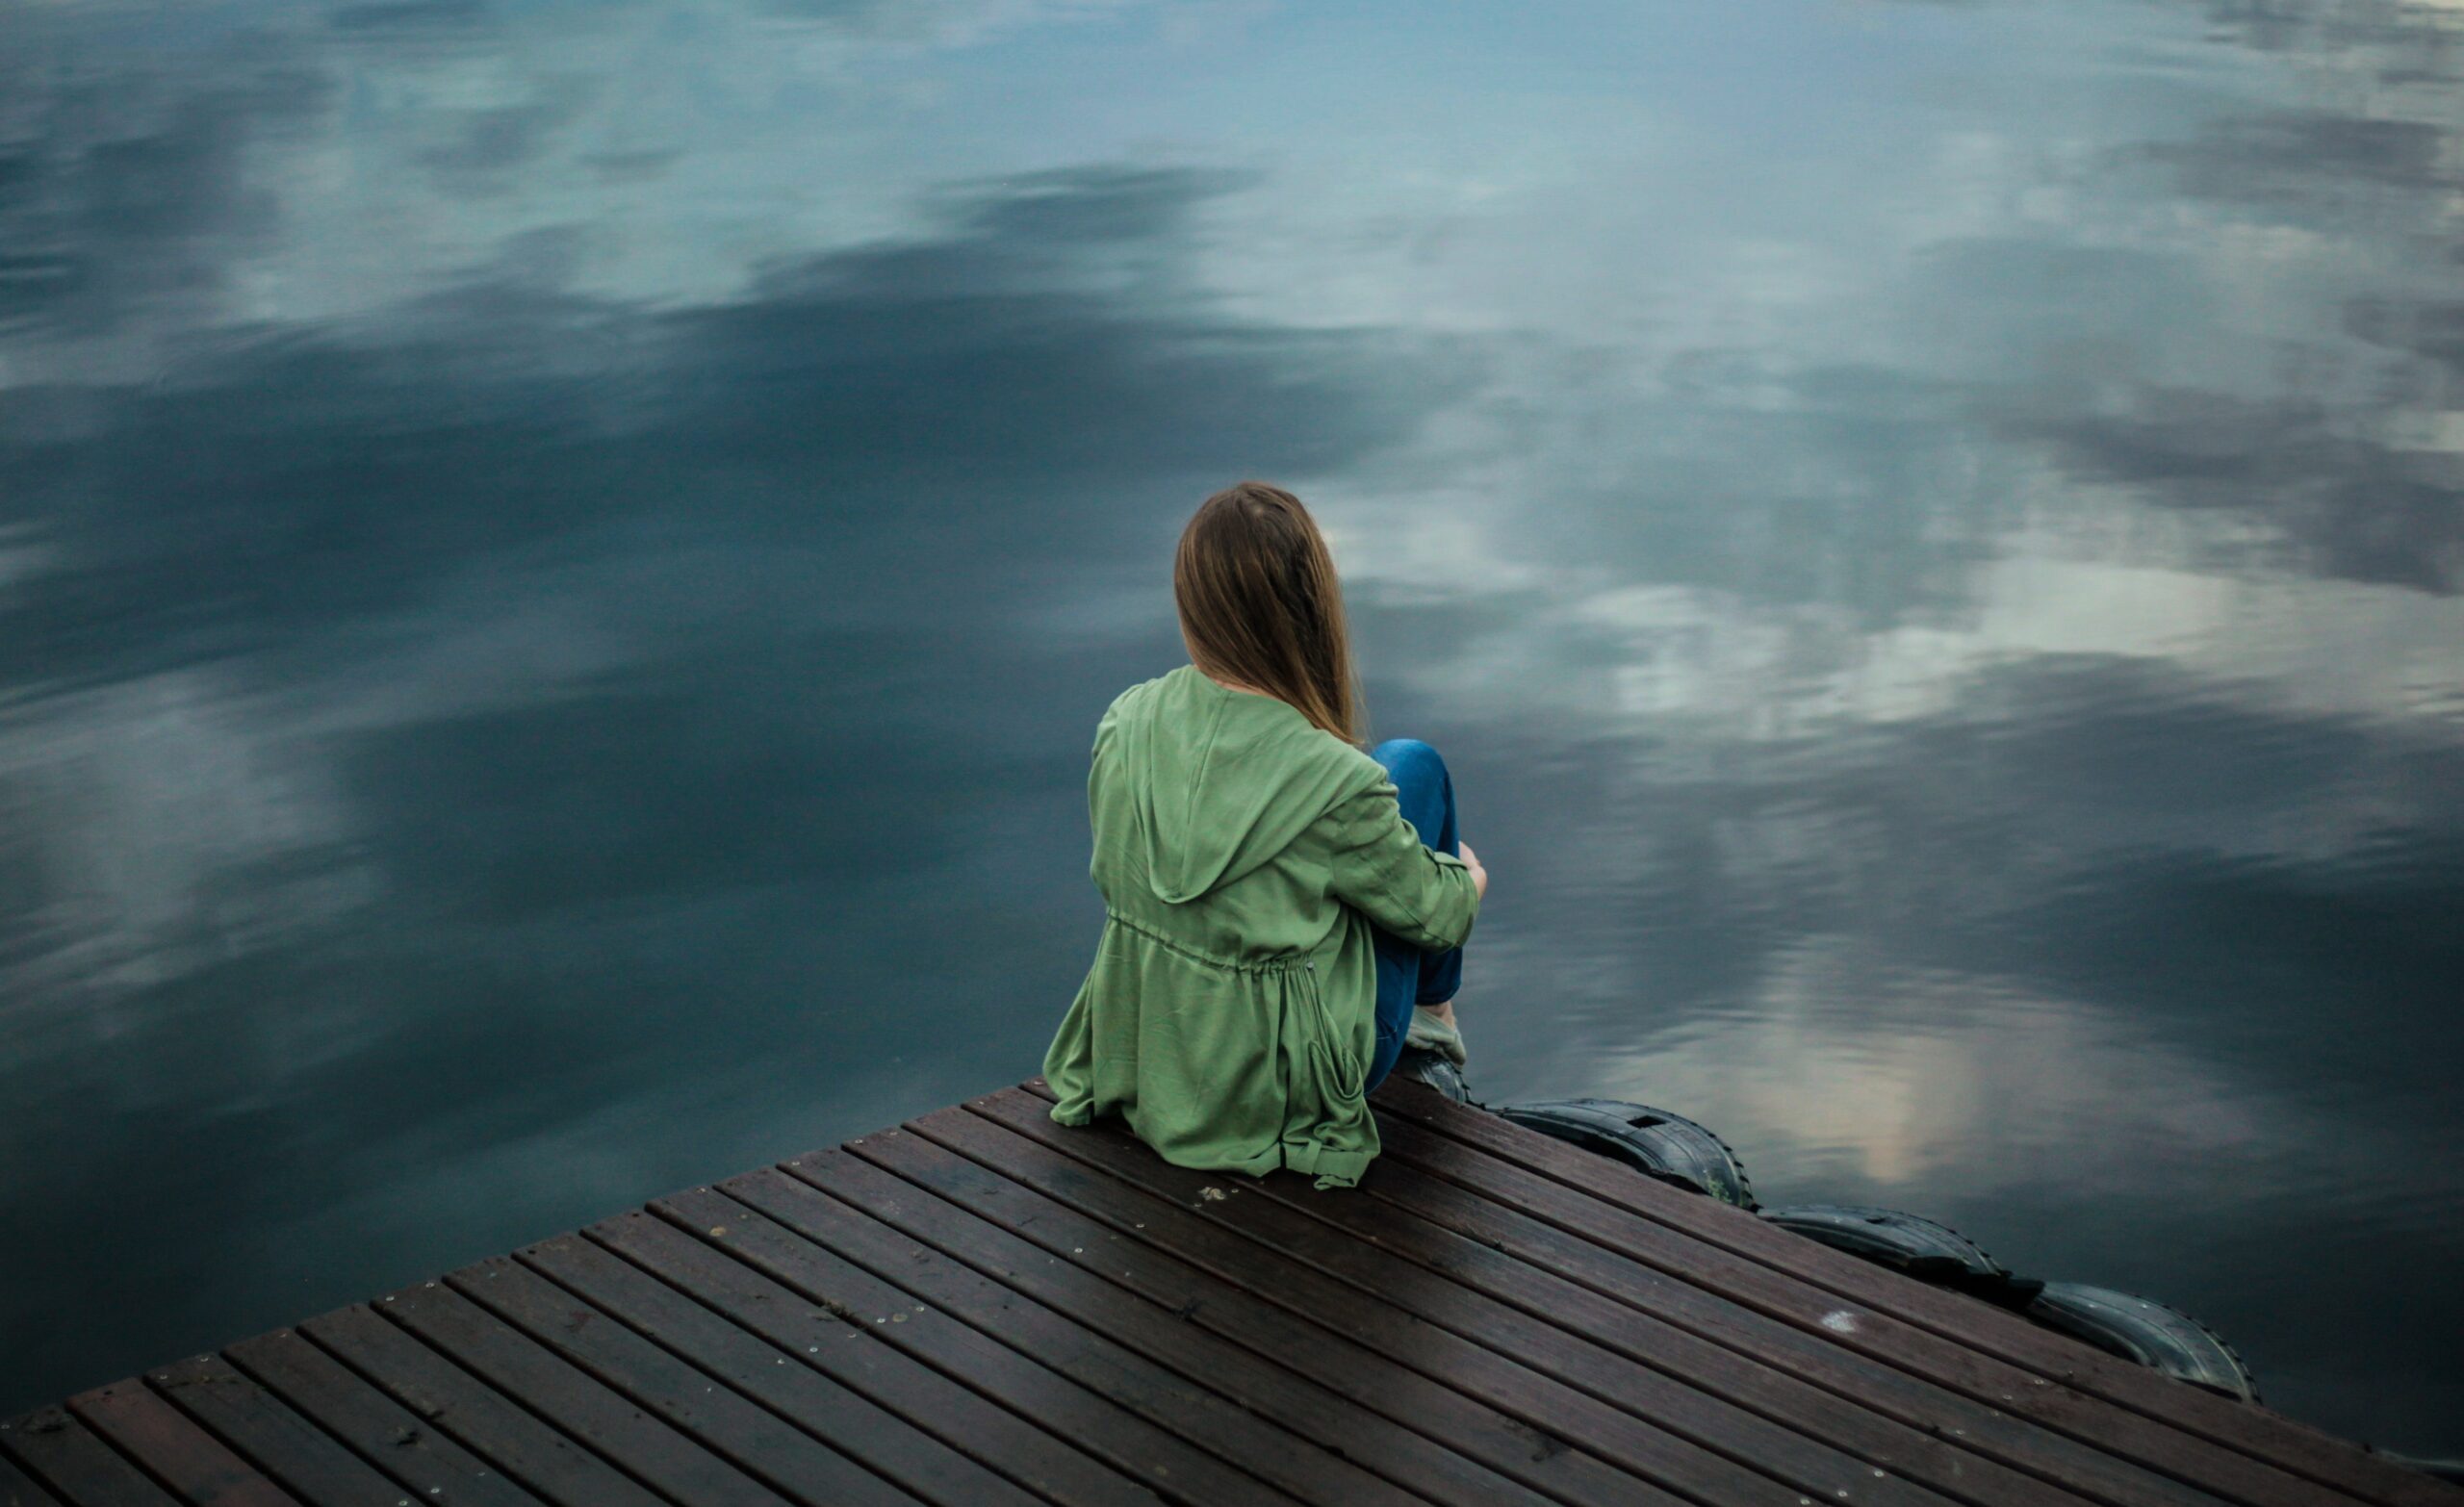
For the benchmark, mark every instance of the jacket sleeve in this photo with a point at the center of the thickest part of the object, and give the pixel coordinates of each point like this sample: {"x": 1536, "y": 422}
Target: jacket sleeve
{"x": 1382, "y": 869}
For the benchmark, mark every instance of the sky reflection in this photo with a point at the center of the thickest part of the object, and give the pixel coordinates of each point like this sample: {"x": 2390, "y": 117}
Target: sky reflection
{"x": 557, "y": 563}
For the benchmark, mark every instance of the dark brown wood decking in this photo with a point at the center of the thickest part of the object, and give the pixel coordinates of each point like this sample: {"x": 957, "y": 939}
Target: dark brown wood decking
{"x": 983, "y": 1308}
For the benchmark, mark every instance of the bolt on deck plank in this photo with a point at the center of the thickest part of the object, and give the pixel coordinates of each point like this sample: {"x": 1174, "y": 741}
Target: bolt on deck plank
{"x": 984, "y": 1307}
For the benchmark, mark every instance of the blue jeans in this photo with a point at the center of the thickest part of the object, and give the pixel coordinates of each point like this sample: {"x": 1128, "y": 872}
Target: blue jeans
{"x": 1407, "y": 976}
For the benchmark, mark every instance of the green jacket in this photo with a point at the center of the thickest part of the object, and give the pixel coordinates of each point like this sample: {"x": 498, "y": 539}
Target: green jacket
{"x": 1242, "y": 855}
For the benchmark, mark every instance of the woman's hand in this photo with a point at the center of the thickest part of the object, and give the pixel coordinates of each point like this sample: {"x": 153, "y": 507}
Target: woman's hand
{"x": 1472, "y": 862}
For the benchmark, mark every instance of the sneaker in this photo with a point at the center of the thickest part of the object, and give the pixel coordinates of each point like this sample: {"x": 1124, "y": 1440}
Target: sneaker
{"x": 1432, "y": 1031}
{"x": 1435, "y": 1069}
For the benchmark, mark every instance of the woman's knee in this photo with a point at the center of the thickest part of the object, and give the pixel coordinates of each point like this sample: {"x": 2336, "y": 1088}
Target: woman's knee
{"x": 1409, "y": 758}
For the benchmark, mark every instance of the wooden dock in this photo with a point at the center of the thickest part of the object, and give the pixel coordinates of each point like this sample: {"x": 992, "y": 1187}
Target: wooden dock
{"x": 982, "y": 1309}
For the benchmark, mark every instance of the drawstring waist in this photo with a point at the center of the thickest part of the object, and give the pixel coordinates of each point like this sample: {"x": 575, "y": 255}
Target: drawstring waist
{"x": 1285, "y": 962}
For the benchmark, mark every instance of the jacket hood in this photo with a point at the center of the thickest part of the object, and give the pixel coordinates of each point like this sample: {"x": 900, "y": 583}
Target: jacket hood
{"x": 1223, "y": 781}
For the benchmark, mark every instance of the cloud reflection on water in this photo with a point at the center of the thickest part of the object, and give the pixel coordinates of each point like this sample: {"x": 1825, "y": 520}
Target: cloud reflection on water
{"x": 557, "y": 648}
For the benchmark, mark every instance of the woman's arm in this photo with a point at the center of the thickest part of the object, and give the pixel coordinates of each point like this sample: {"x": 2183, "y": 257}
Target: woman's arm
{"x": 1382, "y": 869}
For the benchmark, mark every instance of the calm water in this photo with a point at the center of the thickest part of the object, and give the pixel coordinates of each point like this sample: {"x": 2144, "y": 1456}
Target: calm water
{"x": 558, "y": 562}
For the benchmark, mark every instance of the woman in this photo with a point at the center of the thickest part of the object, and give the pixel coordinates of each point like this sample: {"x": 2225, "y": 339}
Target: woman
{"x": 1276, "y": 927}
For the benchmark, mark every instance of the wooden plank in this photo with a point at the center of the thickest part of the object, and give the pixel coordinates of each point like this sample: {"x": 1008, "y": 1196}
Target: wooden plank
{"x": 1107, "y": 1403}
{"x": 1588, "y": 1335}
{"x": 1190, "y": 1335}
{"x": 173, "y": 1449}
{"x": 299, "y": 1456}
{"x": 2264, "y": 1434}
{"x": 20, "y": 1489}
{"x": 2008, "y": 1422}
{"x": 1255, "y": 1417}
{"x": 455, "y": 1402}
{"x": 1204, "y": 1416}
{"x": 988, "y": 1310}
{"x": 429, "y": 1465}
{"x": 1622, "y": 1255}
{"x": 661, "y": 1457}
{"x": 847, "y": 1422}
{"x": 888, "y": 1376}
{"x": 1392, "y": 1216}
{"x": 75, "y": 1463}
{"x": 1261, "y": 1298}
{"x": 719, "y": 1418}
{"x": 1215, "y": 1335}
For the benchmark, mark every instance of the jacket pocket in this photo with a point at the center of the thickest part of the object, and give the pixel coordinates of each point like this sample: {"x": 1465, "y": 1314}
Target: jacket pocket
{"x": 1339, "y": 1069}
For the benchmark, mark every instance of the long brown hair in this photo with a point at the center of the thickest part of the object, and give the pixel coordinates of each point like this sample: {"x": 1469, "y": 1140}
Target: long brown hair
{"x": 1259, "y": 604}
